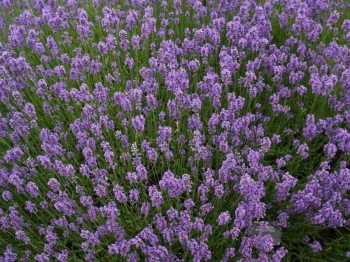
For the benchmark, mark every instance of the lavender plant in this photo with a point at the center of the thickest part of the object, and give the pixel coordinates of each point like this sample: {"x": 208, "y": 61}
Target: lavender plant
{"x": 164, "y": 130}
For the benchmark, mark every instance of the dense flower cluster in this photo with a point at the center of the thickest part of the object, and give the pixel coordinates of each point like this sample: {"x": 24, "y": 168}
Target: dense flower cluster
{"x": 164, "y": 130}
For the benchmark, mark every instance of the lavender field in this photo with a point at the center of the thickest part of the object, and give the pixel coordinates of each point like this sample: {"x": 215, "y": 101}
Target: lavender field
{"x": 175, "y": 130}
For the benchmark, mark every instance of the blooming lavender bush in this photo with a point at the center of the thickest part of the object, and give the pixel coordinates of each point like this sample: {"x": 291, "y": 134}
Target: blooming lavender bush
{"x": 164, "y": 130}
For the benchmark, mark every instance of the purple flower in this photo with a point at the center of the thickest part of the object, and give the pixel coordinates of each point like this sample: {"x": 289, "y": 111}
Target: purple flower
{"x": 134, "y": 196}
{"x": 100, "y": 190}
{"x": 42, "y": 257}
{"x": 129, "y": 62}
{"x": 29, "y": 109}
{"x": 155, "y": 196}
{"x": 132, "y": 177}
{"x": 145, "y": 208}
{"x": 283, "y": 188}
{"x": 330, "y": 150}
{"x": 44, "y": 204}
{"x": 100, "y": 92}
{"x": 32, "y": 189}
{"x": 223, "y": 218}
{"x": 102, "y": 48}
{"x": 119, "y": 194}
{"x": 138, "y": 123}
{"x": 310, "y": 131}
{"x": 303, "y": 150}
{"x": 148, "y": 234}
{"x": 86, "y": 201}
{"x": 230, "y": 253}
{"x": 316, "y": 246}
{"x": 279, "y": 255}
{"x": 194, "y": 65}
{"x": 188, "y": 204}
{"x": 160, "y": 222}
{"x": 31, "y": 207}
{"x": 6, "y": 195}
{"x": 13, "y": 154}
{"x": 172, "y": 213}
{"x": 54, "y": 184}
{"x": 282, "y": 219}
{"x": 205, "y": 209}
{"x": 135, "y": 41}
